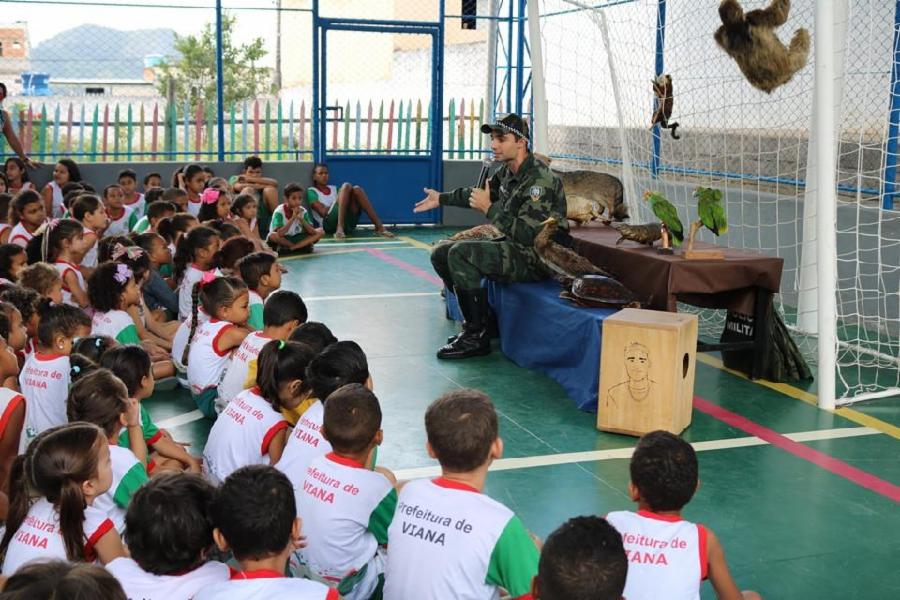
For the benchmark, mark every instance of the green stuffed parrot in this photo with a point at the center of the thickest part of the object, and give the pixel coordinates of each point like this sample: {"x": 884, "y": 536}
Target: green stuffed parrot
{"x": 666, "y": 212}
{"x": 710, "y": 210}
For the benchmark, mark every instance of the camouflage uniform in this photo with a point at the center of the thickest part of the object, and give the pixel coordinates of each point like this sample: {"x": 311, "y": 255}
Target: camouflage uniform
{"x": 519, "y": 203}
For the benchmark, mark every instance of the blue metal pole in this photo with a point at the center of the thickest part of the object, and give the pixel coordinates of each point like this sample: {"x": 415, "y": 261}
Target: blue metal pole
{"x": 660, "y": 67}
{"x": 520, "y": 57}
{"x": 220, "y": 85}
{"x": 437, "y": 154}
{"x": 314, "y": 117}
{"x": 890, "y": 158}
{"x": 509, "y": 55}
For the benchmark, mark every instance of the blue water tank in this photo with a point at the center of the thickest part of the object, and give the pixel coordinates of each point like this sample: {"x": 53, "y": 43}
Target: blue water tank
{"x": 35, "y": 84}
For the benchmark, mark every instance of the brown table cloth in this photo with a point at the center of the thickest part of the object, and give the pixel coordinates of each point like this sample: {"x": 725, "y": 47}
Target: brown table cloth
{"x": 661, "y": 280}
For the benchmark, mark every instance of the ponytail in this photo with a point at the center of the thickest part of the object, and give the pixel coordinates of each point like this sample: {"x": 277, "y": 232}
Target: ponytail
{"x": 279, "y": 363}
{"x": 198, "y": 237}
{"x": 19, "y": 499}
{"x": 195, "y": 299}
{"x": 212, "y": 294}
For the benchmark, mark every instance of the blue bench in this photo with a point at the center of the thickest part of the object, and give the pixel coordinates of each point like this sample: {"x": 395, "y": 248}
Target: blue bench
{"x": 538, "y": 330}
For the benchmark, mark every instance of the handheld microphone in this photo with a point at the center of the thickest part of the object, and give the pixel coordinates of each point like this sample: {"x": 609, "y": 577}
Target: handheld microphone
{"x": 486, "y": 165}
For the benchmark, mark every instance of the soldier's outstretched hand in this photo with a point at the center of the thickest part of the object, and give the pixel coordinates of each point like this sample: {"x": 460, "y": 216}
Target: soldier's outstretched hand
{"x": 431, "y": 201}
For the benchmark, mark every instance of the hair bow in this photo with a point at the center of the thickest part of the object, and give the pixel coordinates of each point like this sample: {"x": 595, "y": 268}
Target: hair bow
{"x": 210, "y": 195}
{"x": 122, "y": 274}
{"x": 207, "y": 278}
{"x": 132, "y": 252}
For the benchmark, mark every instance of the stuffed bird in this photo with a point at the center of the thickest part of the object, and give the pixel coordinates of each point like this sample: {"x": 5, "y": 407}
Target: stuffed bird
{"x": 666, "y": 212}
{"x": 710, "y": 210}
{"x": 564, "y": 263}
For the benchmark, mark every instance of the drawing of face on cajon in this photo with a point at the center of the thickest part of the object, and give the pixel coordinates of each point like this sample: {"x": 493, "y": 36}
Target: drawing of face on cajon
{"x": 638, "y": 387}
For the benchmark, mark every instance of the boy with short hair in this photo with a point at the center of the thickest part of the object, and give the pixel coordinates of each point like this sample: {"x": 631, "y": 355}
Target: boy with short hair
{"x": 264, "y": 189}
{"x": 582, "y": 560}
{"x": 283, "y": 312}
{"x": 256, "y": 518}
{"x": 128, "y": 180}
{"x": 664, "y": 477}
{"x": 262, "y": 274}
{"x": 315, "y": 335}
{"x": 292, "y": 228}
{"x": 448, "y": 539}
{"x": 346, "y": 526}
{"x": 155, "y": 212}
{"x": 152, "y": 180}
{"x": 169, "y": 530}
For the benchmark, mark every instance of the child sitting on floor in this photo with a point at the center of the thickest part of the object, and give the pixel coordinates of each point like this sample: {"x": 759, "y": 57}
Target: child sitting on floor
{"x": 346, "y": 527}
{"x": 132, "y": 198}
{"x": 156, "y": 211}
{"x": 256, "y": 518}
{"x": 283, "y": 312}
{"x": 43, "y": 279}
{"x": 488, "y": 547}
{"x": 210, "y": 342}
{"x": 251, "y": 429}
{"x": 54, "y": 486}
{"x": 157, "y": 293}
{"x": 664, "y": 477}
{"x": 582, "y": 560}
{"x": 90, "y": 212}
{"x": 61, "y": 243}
{"x": 131, "y": 364}
{"x": 100, "y": 398}
{"x": 12, "y": 260}
{"x": 27, "y": 215}
{"x": 169, "y": 534}
{"x": 262, "y": 274}
{"x": 292, "y": 229}
{"x": 336, "y": 366}
{"x": 122, "y": 218}
{"x": 44, "y": 380}
{"x": 195, "y": 254}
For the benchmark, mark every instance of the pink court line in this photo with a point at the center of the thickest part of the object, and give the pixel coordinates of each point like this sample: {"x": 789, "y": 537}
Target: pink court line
{"x": 820, "y": 459}
{"x": 381, "y": 254}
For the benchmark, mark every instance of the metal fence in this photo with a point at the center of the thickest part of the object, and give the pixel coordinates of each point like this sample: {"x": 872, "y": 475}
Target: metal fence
{"x": 103, "y": 81}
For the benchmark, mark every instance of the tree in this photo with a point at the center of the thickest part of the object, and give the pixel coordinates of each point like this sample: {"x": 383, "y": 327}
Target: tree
{"x": 194, "y": 73}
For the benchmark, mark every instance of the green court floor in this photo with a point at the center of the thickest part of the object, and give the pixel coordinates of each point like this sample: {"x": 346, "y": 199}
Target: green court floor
{"x": 813, "y": 515}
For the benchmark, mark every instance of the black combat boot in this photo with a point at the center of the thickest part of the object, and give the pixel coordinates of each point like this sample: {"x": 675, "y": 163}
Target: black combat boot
{"x": 493, "y": 327}
{"x": 474, "y": 339}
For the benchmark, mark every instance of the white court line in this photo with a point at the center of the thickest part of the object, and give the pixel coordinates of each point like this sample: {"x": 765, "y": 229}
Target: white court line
{"x": 367, "y": 241}
{"x": 506, "y": 464}
{"x": 194, "y": 415}
{"x": 370, "y": 296}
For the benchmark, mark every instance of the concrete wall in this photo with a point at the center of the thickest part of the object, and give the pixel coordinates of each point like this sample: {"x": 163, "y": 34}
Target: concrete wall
{"x": 456, "y": 174}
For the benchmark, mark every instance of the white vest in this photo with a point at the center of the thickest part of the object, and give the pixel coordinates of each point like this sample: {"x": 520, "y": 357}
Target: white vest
{"x": 141, "y": 585}
{"x": 444, "y": 539}
{"x": 19, "y": 235}
{"x": 339, "y": 500}
{"x": 265, "y": 585}
{"x": 44, "y": 382}
{"x": 9, "y": 401}
{"x": 666, "y": 555}
{"x": 241, "y": 435}
{"x": 304, "y": 444}
{"x": 327, "y": 201}
{"x": 121, "y": 225}
{"x": 59, "y": 208}
{"x": 128, "y": 472}
{"x": 39, "y": 537}
{"x": 236, "y": 374}
{"x": 205, "y": 362}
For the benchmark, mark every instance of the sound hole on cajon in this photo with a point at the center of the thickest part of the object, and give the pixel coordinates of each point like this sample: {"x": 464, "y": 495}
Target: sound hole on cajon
{"x": 685, "y": 363}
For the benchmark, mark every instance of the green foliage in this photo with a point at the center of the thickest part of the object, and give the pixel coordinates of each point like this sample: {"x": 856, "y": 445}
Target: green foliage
{"x": 194, "y": 74}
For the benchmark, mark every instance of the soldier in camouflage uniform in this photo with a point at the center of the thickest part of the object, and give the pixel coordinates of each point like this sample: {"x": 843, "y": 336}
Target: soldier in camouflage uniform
{"x": 522, "y": 194}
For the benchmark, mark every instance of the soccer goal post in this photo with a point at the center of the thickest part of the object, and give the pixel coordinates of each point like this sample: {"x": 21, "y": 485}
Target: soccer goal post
{"x": 808, "y": 171}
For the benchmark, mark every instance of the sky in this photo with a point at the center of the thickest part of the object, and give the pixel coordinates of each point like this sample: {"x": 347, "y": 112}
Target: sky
{"x": 46, "y": 19}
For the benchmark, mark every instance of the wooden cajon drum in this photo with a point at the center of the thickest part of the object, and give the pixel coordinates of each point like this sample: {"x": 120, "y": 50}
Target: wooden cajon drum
{"x": 647, "y": 366}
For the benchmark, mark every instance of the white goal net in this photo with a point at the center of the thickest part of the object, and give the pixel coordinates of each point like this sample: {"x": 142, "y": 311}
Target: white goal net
{"x": 599, "y": 61}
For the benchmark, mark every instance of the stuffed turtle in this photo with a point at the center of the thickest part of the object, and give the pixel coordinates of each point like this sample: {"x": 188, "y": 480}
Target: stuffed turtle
{"x": 597, "y": 291}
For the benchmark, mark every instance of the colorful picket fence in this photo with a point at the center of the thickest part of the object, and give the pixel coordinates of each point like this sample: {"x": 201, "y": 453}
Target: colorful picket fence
{"x": 273, "y": 129}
